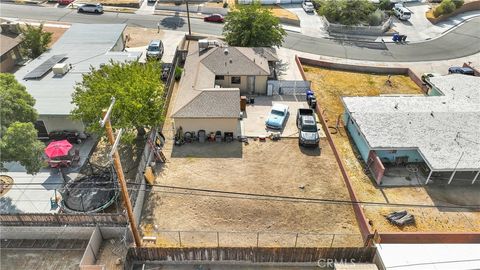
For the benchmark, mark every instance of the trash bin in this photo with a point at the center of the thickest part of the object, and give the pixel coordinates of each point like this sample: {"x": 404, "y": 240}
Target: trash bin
{"x": 395, "y": 37}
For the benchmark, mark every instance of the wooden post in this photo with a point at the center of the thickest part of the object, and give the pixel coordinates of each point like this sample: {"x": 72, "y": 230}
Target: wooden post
{"x": 121, "y": 179}
{"x": 296, "y": 239}
{"x": 258, "y": 236}
{"x": 428, "y": 178}
{"x": 179, "y": 239}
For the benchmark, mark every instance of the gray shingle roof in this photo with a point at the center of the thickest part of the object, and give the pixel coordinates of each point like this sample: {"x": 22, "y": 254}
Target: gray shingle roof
{"x": 238, "y": 61}
{"x": 212, "y": 103}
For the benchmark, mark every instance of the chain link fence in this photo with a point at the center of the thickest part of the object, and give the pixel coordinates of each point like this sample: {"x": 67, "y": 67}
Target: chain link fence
{"x": 163, "y": 238}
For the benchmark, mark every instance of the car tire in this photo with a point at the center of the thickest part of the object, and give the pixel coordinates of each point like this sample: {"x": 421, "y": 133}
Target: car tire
{"x": 80, "y": 10}
{"x": 97, "y": 11}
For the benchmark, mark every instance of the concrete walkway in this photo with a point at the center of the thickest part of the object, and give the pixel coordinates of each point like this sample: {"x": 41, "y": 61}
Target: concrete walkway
{"x": 146, "y": 8}
{"x": 310, "y": 23}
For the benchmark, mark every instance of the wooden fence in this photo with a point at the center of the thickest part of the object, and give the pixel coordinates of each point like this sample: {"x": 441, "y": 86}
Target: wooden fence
{"x": 251, "y": 254}
{"x": 85, "y": 220}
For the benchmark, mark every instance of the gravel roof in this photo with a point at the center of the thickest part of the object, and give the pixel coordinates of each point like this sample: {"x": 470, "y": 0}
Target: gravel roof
{"x": 213, "y": 103}
{"x": 440, "y": 127}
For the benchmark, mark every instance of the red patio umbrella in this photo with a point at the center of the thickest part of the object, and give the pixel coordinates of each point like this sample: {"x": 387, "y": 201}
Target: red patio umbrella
{"x": 58, "y": 148}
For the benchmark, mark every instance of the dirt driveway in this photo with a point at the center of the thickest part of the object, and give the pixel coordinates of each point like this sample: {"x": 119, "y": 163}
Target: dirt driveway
{"x": 262, "y": 168}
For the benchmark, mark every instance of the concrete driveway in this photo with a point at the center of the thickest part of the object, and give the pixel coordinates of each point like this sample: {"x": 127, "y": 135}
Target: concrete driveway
{"x": 253, "y": 125}
{"x": 418, "y": 28}
{"x": 310, "y": 23}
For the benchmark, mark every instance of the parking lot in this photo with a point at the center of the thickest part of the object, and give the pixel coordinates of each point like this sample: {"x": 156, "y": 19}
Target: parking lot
{"x": 253, "y": 125}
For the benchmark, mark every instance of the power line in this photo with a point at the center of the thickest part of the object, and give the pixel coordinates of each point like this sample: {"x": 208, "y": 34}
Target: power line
{"x": 256, "y": 196}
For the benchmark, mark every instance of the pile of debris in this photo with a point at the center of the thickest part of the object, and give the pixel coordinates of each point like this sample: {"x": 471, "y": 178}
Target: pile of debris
{"x": 401, "y": 218}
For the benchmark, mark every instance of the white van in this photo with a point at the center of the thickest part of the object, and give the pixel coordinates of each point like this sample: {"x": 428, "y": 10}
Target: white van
{"x": 402, "y": 12}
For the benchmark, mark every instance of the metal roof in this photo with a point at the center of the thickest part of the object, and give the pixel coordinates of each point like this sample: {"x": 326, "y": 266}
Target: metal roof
{"x": 85, "y": 46}
{"x": 45, "y": 67}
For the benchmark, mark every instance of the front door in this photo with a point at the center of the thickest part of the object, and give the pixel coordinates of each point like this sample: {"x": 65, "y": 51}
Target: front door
{"x": 251, "y": 84}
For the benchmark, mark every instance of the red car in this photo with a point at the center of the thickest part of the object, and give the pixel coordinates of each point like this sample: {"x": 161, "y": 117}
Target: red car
{"x": 65, "y": 2}
{"x": 214, "y": 18}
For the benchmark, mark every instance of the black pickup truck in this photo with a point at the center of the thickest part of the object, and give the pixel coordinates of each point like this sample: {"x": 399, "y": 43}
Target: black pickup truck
{"x": 307, "y": 128}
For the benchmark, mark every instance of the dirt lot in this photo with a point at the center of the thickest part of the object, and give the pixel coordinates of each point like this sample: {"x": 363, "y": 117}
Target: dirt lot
{"x": 273, "y": 168}
{"x": 333, "y": 85}
{"x": 57, "y": 33}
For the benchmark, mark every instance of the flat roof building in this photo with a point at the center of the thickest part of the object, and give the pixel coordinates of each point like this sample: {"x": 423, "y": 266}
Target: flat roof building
{"x": 82, "y": 47}
{"x": 437, "y": 135}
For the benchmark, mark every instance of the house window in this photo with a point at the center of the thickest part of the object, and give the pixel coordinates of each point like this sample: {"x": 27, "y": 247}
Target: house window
{"x": 236, "y": 80}
{"x": 219, "y": 77}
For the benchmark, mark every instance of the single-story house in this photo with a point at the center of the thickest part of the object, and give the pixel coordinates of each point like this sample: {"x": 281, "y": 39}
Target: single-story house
{"x": 214, "y": 78}
{"x": 81, "y": 47}
{"x": 10, "y": 41}
{"x": 439, "y": 132}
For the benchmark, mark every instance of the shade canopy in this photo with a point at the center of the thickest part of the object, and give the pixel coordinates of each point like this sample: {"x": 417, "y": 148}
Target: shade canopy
{"x": 58, "y": 148}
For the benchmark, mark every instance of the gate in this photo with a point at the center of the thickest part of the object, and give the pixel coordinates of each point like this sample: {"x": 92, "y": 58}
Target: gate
{"x": 291, "y": 88}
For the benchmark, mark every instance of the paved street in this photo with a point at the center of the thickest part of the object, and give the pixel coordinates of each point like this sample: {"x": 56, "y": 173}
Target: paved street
{"x": 460, "y": 42}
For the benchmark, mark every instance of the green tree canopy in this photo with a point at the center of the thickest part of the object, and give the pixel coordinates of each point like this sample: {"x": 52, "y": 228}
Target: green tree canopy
{"x": 18, "y": 136}
{"x": 253, "y": 26}
{"x": 35, "y": 40}
{"x": 137, "y": 88}
{"x": 347, "y": 12}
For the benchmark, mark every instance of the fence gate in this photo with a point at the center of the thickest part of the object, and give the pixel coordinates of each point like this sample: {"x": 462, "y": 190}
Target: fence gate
{"x": 288, "y": 87}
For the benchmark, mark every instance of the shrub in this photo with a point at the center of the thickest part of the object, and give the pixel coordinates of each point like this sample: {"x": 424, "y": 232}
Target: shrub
{"x": 347, "y": 12}
{"x": 376, "y": 18}
{"x": 448, "y": 6}
{"x": 385, "y": 5}
{"x": 178, "y": 72}
{"x": 438, "y": 11}
{"x": 225, "y": 4}
{"x": 458, "y": 3}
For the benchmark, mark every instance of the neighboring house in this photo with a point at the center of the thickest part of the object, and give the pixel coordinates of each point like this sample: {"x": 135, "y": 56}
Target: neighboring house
{"x": 10, "y": 42}
{"x": 81, "y": 47}
{"x": 213, "y": 80}
{"x": 439, "y": 134}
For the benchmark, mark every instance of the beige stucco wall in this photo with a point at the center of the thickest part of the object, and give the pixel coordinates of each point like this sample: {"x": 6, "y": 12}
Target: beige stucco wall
{"x": 260, "y": 84}
{"x": 209, "y": 125}
{"x": 60, "y": 122}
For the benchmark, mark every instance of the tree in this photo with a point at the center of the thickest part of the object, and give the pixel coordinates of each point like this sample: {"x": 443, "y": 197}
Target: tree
{"x": 137, "y": 88}
{"x": 18, "y": 136}
{"x": 20, "y": 143}
{"x": 35, "y": 40}
{"x": 16, "y": 103}
{"x": 253, "y": 26}
{"x": 347, "y": 12}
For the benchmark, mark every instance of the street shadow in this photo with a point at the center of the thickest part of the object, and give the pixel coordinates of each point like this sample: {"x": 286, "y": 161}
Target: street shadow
{"x": 208, "y": 150}
{"x": 173, "y": 22}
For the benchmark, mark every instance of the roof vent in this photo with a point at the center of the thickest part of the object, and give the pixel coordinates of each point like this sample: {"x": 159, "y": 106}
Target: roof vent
{"x": 225, "y": 51}
{"x": 61, "y": 68}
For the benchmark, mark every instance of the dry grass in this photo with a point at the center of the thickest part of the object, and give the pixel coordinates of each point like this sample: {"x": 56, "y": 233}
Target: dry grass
{"x": 57, "y": 33}
{"x": 280, "y": 12}
{"x": 329, "y": 86}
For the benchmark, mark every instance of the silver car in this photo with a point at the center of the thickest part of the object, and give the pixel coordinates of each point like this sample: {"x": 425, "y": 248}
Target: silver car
{"x": 155, "y": 49}
{"x": 93, "y": 8}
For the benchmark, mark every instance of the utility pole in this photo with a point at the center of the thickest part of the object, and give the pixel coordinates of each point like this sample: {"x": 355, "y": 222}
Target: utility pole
{"x": 188, "y": 18}
{"x": 105, "y": 122}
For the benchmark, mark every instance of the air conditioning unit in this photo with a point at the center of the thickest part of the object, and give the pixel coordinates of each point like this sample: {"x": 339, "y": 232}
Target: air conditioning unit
{"x": 60, "y": 68}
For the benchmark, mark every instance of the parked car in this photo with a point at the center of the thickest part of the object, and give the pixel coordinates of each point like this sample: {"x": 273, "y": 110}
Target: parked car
{"x": 277, "y": 117}
{"x": 461, "y": 70}
{"x": 93, "y": 8}
{"x": 214, "y": 18}
{"x": 155, "y": 49}
{"x": 402, "y": 12}
{"x": 65, "y": 2}
{"x": 308, "y": 7}
{"x": 307, "y": 128}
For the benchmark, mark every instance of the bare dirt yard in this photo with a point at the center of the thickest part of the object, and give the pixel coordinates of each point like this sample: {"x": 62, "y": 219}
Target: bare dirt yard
{"x": 207, "y": 218}
{"x": 329, "y": 86}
